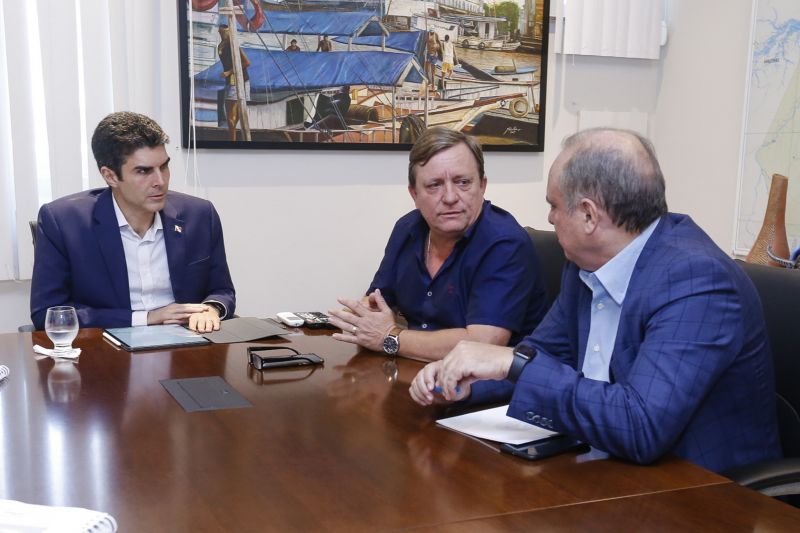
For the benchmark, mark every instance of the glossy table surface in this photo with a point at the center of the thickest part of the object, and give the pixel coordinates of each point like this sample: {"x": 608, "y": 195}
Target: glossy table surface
{"x": 717, "y": 508}
{"x": 338, "y": 448}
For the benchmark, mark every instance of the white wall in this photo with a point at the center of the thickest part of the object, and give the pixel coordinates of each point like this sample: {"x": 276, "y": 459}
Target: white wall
{"x": 303, "y": 227}
{"x": 699, "y": 116}
{"x": 14, "y": 300}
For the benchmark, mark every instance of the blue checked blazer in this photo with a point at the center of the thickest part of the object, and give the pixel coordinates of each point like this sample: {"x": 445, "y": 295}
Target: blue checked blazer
{"x": 80, "y": 261}
{"x": 691, "y": 371}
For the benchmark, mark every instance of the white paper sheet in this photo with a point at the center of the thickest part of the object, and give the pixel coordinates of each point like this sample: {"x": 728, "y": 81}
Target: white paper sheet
{"x": 20, "y": 516}
{"x": 493, "y": 424}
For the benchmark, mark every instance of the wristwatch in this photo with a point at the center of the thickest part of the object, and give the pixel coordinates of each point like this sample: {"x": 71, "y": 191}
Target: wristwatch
{"x": 391, "y": 342}
{"x": 523, "y": 354}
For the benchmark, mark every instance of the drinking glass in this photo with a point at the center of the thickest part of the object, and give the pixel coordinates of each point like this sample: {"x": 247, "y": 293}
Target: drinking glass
{"x": 61, "y": 325}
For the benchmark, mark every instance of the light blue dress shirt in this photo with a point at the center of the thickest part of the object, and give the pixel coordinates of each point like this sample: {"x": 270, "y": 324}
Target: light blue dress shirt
{"x": 609, "y": 284}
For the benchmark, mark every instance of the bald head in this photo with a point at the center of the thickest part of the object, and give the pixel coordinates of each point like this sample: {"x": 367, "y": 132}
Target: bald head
{"x": 618, "y": 170}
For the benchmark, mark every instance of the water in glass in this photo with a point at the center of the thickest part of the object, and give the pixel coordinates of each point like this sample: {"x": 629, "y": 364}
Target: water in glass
{"x": 61, "y": 325}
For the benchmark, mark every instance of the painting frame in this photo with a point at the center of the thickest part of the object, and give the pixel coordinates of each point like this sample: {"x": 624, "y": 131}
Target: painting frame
{"x": 489, "y": 106}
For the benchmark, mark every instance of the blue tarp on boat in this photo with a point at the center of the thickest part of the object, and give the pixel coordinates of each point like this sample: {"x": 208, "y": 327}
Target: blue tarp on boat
{"x": 348, "y": 24}
{"x": 278, "y": 70}
{"x": 412, "y": 42}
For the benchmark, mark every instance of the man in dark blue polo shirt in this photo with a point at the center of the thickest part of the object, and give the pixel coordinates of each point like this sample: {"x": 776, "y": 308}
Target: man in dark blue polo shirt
{"x": 456, "y": 268}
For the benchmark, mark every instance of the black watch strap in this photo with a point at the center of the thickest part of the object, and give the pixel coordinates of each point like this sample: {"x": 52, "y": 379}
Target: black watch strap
{"x": 523, "y": 354}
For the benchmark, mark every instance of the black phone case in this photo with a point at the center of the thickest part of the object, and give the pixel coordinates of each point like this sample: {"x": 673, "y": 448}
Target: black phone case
{"x": 540, "y": 449}
{"x": 266, "y": 363}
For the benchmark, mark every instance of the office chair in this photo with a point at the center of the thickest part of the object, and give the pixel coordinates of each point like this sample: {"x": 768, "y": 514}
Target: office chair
{"x": 34, "y": 226}
{"x": 779, "y": 290}
{"x": 551, "y": 259}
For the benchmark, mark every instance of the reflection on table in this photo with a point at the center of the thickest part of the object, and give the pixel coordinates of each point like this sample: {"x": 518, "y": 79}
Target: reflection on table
{"x": 338, "y": 447}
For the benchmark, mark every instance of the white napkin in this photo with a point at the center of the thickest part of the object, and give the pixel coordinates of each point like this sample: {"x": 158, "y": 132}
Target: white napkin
{"x": 19, "y": 516}
{"x": 49, "y": 352}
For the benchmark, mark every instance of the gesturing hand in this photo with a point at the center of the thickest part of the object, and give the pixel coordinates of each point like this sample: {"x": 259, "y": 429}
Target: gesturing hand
{"x": 363, "y": 323}
{"x": 425, "y": 391}
{"x": 453, "y": 376}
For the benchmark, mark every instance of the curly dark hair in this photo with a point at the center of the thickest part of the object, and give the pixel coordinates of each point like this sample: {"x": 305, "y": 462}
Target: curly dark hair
{"x": 120, "y": 134}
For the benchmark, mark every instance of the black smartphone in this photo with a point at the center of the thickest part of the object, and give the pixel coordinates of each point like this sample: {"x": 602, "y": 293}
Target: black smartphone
{"x": 539, "y": 449}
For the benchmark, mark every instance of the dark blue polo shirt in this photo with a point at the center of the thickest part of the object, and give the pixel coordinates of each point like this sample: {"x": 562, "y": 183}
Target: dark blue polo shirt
{"x": 492, "y": 277}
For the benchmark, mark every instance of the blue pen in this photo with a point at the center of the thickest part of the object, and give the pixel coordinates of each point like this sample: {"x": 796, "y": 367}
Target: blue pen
{"x": 438, "y": 390}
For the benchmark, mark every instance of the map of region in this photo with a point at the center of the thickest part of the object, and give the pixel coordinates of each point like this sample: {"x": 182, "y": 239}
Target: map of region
{"x": 772, "y": 121}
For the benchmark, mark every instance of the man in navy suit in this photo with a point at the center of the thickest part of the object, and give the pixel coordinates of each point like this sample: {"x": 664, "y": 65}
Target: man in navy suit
{"x": 656, "y": 342}
{"x": 133, "y": 253}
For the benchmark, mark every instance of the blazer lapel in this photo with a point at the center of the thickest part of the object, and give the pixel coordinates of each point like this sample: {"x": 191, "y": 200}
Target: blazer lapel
{"x": 584, "y": 320}
{"x": 626, "y": 346}
{"x": 106, "y": 231}
{"x": 175, "y": 243}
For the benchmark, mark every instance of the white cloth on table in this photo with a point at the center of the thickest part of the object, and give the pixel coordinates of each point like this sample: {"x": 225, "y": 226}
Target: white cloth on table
{"x": 30, "y": 518}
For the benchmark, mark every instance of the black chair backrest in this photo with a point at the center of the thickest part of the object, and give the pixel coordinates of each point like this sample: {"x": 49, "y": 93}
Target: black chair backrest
{"x": 551, "y": 259}
{"x": 34, "y": 226}
{"x": 779, "y": 290}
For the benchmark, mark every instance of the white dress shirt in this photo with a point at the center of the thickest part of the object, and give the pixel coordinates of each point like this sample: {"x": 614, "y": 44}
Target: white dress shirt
{"x": 148, "y": 271}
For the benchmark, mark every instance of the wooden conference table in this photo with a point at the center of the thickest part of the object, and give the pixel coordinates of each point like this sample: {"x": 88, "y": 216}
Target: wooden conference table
{"x": 340, "y": 448}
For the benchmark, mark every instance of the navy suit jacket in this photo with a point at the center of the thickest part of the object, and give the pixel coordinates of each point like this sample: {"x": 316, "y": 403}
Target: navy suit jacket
{"x": 80, "y": 261}
{"x": 691, "y": 370}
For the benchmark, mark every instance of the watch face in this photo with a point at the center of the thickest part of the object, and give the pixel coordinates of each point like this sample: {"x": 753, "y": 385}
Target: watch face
{"x": 390, "y": 344}
{"x": 524, "y": 351}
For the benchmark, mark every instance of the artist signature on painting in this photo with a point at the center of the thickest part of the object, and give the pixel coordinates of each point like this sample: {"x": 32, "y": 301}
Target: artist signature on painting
{"x": 511, "y": 130}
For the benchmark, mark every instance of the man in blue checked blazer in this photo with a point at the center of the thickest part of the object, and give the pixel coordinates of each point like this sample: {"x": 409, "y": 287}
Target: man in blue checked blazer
{"x": 133, "y": 253}
{"x": 656, "y": 342}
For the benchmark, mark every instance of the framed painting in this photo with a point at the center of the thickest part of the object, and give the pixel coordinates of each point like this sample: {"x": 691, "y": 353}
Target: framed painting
{"x": 362, "y": 74}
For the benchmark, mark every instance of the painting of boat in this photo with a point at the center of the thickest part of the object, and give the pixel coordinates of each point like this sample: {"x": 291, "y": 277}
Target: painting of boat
{"x": 289, "y": 88}
{"x": 352, "y": 74}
